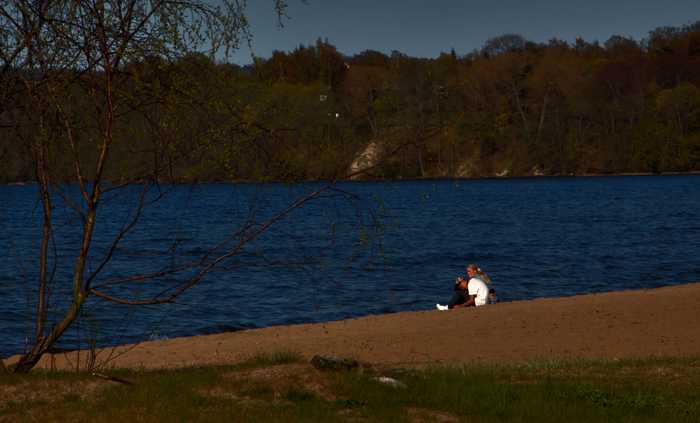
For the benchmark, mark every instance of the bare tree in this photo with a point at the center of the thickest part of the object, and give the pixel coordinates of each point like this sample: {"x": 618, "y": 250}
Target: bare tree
{"x": 52, "y": 49}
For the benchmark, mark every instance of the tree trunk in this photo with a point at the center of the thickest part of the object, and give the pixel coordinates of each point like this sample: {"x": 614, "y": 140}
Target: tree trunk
{"x": 30, "y": 359}
{"x": 420, "y": 161}
{"x": 418, "y": 143}
{"x": 542, "y": 116}
{"x": 41, "y": 346}
{"x": 43, "y": 179}
{"x": 516, "y": 96}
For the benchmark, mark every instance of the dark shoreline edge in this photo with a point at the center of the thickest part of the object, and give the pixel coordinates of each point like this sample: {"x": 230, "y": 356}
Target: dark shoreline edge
{"x": 427, "y": 179}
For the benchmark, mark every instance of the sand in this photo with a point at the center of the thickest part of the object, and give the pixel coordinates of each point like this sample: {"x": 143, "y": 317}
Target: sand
{"x": 661, "y": 322}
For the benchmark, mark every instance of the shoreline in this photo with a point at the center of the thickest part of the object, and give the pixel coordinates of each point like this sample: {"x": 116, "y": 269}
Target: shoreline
{"x": 430, "y": 178}
{"x": 618, "y": 324}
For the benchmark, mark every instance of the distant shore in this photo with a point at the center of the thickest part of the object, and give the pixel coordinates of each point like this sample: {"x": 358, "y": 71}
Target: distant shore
{"x": 428, "y": 178}
{"x": 660, "y": 322}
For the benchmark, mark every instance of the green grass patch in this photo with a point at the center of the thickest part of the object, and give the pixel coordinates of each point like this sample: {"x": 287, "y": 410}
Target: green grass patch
{"x": 283, "y": 388}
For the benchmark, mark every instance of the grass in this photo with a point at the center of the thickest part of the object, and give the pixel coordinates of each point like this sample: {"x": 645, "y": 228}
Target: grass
{"x": 283, "y": 388}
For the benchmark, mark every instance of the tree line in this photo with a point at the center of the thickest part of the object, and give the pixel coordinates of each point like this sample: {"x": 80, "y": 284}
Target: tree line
{"x": 513, "y": 107}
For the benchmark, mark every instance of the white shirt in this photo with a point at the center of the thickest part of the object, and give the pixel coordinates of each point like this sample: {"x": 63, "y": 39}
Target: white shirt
{"x": 477, "y": 287}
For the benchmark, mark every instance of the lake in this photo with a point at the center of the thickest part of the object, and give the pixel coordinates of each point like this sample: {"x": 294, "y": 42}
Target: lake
{"x": 365, "y": 248}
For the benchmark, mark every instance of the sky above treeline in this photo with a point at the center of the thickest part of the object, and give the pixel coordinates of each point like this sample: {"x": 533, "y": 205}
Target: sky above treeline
{"x": 425, "y": 28}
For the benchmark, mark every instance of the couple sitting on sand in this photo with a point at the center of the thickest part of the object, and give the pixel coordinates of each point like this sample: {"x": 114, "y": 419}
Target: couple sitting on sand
{"x": 471, "y": 292}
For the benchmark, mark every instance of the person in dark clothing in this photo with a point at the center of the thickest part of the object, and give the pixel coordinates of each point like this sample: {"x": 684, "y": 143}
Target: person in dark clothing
{"x": 460, "y": 296}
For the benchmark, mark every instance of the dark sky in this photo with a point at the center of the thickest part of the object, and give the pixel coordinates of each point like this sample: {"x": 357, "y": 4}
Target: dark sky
{"x": 424, "y": 28}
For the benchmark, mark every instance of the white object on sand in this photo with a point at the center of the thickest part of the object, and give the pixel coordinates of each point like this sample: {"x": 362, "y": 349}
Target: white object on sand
{"x": 390, "y": 381}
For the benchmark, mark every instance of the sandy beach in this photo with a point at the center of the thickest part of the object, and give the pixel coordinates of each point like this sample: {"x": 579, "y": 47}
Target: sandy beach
{"x": 641, "y": 323}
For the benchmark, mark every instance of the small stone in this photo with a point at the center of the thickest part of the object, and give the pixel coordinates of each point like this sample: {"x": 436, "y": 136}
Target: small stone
{"x": 334, "y": 363}
{"x": 390, "y": 381}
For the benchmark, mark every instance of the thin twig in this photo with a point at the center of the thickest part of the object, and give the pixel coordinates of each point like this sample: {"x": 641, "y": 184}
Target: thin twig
{"x": 113, "y": 378}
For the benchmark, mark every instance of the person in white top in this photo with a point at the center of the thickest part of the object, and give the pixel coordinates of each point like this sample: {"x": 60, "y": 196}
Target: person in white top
{"x": 478, "y": 291}
{"x": 475, "y": 292}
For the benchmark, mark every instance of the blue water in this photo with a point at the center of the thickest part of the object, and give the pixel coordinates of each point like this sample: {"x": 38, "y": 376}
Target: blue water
{"x": 387, "y": 247}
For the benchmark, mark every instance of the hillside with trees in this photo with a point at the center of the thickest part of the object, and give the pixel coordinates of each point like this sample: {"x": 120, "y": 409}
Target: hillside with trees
{"x": 512, "y": 108}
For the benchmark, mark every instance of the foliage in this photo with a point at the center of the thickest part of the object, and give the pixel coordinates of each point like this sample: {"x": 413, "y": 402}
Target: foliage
{"x": 626, "y": 106}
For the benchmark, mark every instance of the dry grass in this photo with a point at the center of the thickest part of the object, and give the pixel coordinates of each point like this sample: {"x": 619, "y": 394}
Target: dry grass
{"x": 422, "y": 415}
{"x": 49, "y": 391}
{"x": 284, "y": 378}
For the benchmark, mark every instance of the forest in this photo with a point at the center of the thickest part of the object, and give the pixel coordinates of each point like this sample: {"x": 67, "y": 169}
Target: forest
{"x": 512, "y": 108}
